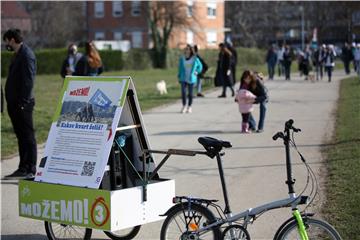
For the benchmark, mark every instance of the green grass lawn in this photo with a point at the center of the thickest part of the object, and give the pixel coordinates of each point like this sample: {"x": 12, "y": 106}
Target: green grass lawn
{"x": 342, "y": 206}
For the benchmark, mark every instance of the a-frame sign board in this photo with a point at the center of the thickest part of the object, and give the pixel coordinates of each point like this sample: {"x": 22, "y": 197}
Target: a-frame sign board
{"x": 90, "y": 112}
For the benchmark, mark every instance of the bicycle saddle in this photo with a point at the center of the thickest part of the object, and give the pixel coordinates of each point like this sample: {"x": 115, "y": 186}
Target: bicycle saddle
{"x": 212, "y": 145}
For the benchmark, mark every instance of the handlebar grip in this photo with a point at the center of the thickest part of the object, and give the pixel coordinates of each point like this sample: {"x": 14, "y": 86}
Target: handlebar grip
{"x": 278, "y": 135}
{"x": 289, "y": 124}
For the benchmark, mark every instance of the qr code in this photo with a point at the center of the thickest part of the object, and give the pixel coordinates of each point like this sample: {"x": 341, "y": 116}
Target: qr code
{"x": 88, "y": 168}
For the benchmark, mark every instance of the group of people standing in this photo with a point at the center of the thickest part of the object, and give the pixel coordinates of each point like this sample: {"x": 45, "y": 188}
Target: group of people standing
{"x": 192, "y": 68}
{"x": 322, "y": 58}
{"x": 282, "y": 57}
{"x": 77, "y": 64}
{"x": 351, "y": 53}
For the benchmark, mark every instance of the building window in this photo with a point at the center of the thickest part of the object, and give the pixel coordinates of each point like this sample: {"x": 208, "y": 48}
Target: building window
{"x": 211, "y": 38}
{"x": 99, "y": 9}
{"x": 189, "y": 37}
{"x": 211, "y": 10}
{"x": 99, "y": 35}
{"x": 135, "y": 8}
{"x": 189, "y": 10}
{"x": 117, "y": 9}
{"x": 136, "y": 39}
{"x": 118, "y": 36}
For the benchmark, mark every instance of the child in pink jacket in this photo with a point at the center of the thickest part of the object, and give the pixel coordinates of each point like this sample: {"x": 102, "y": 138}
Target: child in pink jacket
{"x": 245, "y": 100}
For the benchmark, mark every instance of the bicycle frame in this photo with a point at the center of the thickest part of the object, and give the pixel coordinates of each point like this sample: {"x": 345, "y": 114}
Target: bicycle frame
{"x": 251, "y": 213}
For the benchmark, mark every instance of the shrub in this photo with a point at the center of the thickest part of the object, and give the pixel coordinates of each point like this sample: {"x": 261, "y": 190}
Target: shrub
{"x": 49, "y": 61}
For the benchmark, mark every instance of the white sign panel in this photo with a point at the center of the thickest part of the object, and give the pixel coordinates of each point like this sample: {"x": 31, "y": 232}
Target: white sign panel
{"x": 83, "y": 130}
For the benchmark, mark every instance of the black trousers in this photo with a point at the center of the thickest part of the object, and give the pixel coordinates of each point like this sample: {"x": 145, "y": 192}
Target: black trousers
{"x": 22, "y": 121}
{"x": 347, "y": 66}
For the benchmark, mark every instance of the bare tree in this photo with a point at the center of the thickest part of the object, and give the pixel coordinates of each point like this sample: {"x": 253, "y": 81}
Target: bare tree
{"x": 164, "y": 17}
{"x": 54, "y": 24}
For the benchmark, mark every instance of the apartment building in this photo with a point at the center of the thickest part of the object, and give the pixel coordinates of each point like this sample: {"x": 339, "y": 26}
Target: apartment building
{"x": 128, "y": 20}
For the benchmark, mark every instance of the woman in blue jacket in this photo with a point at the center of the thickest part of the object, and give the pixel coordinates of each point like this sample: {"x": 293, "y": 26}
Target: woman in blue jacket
{"x": 189, "y": 67}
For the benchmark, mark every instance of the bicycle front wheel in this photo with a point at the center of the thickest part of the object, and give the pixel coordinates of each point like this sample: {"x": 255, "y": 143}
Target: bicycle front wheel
{"x": 57, "y": 231}
{"x": 182, "y": 221}
{"x": 316, "y": 229}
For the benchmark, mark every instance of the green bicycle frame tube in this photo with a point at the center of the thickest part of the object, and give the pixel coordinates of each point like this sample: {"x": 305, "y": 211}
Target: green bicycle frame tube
{"x": 301, "y": 226}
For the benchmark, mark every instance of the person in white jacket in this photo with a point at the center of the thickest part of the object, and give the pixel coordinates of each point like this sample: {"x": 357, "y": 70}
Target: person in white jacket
{"x": 357, "y": 58}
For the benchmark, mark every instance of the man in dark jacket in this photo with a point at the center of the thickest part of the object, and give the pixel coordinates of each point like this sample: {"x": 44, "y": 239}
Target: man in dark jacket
{"x": 20, "y": 102}
{"x": 347, "y": 57}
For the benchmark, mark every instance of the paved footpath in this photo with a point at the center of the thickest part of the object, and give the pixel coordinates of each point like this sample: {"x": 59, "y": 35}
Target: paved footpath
{"x": 254, "y": 167}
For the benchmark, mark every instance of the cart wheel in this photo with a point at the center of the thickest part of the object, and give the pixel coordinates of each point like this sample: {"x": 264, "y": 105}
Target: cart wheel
{"x": 125, "y": 234}
{"x": 57, "y": 231}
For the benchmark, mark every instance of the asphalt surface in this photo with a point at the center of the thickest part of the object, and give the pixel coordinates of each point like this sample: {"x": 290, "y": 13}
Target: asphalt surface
{"x": 254, "y": 166}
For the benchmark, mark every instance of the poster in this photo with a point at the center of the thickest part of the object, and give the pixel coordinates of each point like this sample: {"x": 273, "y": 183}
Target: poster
{"x": 82, "y": 131}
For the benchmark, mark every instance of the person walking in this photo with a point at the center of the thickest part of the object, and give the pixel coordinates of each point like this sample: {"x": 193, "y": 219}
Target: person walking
{"x": 224, "y": 70}
{"x": 287, "y": 62}
{"x": 202, "y": 74}
{"x": 305, "y": 62}
{"x": 19, "y": 95}
{"x": 317, "y": 62}
{"x": 189, "y": 68}
{"x": 90, "y": 64}
{"x": 347, "y": 57}
{"x": 280, "y": 60}
{"x": 69, "y": 63}
{"x": 357, "y": 58}
{"x": 329, "y": 61}
{"x": 271, "y": 59}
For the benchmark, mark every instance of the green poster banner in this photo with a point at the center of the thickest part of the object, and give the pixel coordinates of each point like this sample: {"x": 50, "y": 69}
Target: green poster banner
{"x": 65, "y": 204}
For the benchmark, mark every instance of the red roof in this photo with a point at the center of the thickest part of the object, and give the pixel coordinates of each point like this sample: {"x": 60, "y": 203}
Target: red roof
{"x": 13, "y": 9}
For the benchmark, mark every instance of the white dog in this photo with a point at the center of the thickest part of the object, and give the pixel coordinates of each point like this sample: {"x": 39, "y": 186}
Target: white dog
{"x": 161, "y": 87}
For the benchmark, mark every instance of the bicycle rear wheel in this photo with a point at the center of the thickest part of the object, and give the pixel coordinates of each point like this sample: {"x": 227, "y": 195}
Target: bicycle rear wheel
{"x": 57, "y": 231}
{"x": 125, "y": 234}
{"x": 316, "y": 229}
{"x": 182, "y": 221}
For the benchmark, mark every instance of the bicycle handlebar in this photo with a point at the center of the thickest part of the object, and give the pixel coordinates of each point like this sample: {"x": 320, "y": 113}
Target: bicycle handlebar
{"x": 288, "y": 126}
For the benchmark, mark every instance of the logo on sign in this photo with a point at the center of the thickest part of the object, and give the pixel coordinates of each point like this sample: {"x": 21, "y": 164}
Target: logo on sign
{"x": 99, "y": 212}
{"x": 100, "y": 99}
{"x": 80, "y": 92}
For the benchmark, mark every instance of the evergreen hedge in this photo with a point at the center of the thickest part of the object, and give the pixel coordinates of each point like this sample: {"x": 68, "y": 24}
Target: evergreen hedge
{"x": 49, "y": 60}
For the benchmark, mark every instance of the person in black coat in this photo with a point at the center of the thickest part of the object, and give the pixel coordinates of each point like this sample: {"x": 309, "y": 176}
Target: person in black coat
{"x": 69, "y": 63}
{"x": 234, "y": 61}
{"x": 287, "y": 62}
{"x": 224, "y": 70}
{"x": 20, "y": 100}
{"x": 347, "y": 57}
{"x": 90, "y": 64}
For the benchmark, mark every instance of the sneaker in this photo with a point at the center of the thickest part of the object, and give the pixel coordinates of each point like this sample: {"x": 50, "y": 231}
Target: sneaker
{"x": 200, "y": 95}
{"x": 19, "y": 174}
{"x": 222, "y": 96}
{"x": 189, "y": 110}
{"x": 183, "y": 109}
{"x": 260, "y": 130}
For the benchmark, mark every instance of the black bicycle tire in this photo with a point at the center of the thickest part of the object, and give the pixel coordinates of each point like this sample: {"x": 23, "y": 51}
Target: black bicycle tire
{"x": 322, "y": 223}
{"x": 180, "y": 207}
{"x": 51, "y": 236}
{"x": 135, "y": 230}
{"x": 289, "y": 220}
